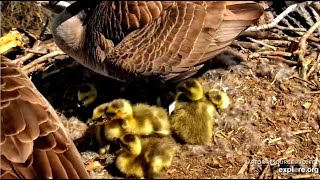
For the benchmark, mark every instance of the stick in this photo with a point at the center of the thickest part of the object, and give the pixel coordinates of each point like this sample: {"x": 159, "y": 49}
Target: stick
{"x": 262, "y": 43}
{"x": 302, "y": 131}
{"x": 246, "y": 45}
{"x": 277, "y": 42}
{"x": 313, "y": 92}
{"x": 35, "y": 51}
{"x": 243, "y": 168}
{"x": 274, "y": 53}
{"x": 303, "y": 81}
{"x": 314, "y": 66}
{"x": 22, "y": 59}
{"x": 276, "y": 20}
{"x": 315, "y": 77}
{"x": 264, "y": 172}
{"x": 42, "y": 59}
{"x": 305, "y": 14}
{"x": 290, "y": 28}
{"x": 316, "y": 6}
{"x": 277, "y": 58}
{"x": 303, "y": 176}
{"x": 302, "y": 48}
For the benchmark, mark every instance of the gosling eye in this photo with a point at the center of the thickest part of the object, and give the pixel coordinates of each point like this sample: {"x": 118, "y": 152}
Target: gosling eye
{"x": 216, "y": 96}
{"x": 181, "y": 89}
{"x": 191, "y": 83}
{"x": 110, "y": 114}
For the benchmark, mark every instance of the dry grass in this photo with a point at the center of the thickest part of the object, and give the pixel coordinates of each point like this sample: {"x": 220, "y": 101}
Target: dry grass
{"x": 22, "y": 14}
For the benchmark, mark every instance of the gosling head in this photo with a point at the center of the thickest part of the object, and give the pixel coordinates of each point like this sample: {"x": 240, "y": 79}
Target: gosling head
{"x": 119, "y": 109}
{"x": 191, "y": 89}
{"x": 219, "y": 98}
{"x": 99, "y": 111}
{"x": 131, "y": 143}
{"x": 87, "y": 94}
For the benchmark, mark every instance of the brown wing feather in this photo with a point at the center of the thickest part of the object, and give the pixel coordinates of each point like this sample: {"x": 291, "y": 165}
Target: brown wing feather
{"x": 34, "y": 143}
{"x": 188, "y": 34}
{"x": 170, "y": 40}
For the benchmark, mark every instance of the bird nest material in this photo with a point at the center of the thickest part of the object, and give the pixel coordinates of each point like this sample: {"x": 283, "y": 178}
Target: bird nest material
{"x": 273, "y": 121}
{"x": 26, "y": 15}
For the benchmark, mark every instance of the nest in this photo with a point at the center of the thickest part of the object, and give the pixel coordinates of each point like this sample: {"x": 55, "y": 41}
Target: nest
{"x": 22, "y": 14}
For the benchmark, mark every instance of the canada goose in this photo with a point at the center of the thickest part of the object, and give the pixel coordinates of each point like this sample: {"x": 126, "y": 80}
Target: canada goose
{"x": 139, "y": 119}
{"x": 105, "y": 130}
{"x": 165, "y": 41}
{"x": 146, "y": 157}
{"x": 218, "y": 97}
{"x": 192, "y": 119}
{"x": 34, "y": 143}
{"x": 87, "y": 94}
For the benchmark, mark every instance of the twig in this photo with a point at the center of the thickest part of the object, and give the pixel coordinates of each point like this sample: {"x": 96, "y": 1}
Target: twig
{"x": 302, "y": 49}
{"x": 42, "y": 59}
{"x": 34, "y": 68}
{"x": 303, "y": 81}
{"x": 313, "y": 92}
{"x": 278, "y": 58}
{"x": 276, "y": 20}
{"x": 262, "y": 43}
{"x": 314, "y": 44}
{"x": 284, "y": 36}
{"x": 44, "y": 29}
{"x": 315, "y": 77}
{"x": 316, "y": 6}
{"x": 290, "y": 28}
{"x": 246, "y": 45}
{"x": 272, "y": 53}
{"x": 305, "y": 14}
{"x": 35, "y": 51}
{"x": 303, "y": 176}
{"x": 277, "y": 42}
{"x": 243, "y": 168}
{"x": 261, "y": 34}
{"x": 301, "y": 131}
{"x": 22, "y": 59}
{"x": 274, "y": 140}
{"x": 295, "y": 22}
{"x": 264, "y": 172}
{"x": 5, "y": 58}
{"x": 314, "y": 66}
{"x": 315, "y": 14}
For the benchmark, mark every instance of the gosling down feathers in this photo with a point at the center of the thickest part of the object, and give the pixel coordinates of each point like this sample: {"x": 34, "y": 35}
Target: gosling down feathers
{"x": 105, "y": 130}
{"x": 146, "y": 157}
{"x": 165, "y": 41}
{"x": 192, "y": 119}
{"x": 34, "y": 143}
{"x": 138, "y": 119}
{"x": 87, "y": 94}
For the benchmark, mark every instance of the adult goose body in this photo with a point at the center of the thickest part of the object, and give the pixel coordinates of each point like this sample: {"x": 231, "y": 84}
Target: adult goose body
{"x": 150, "y": 40}
{"x": 34, "y": 143}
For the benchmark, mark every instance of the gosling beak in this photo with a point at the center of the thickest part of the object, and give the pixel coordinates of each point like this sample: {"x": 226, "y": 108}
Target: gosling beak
{"x": 100, "y": 120}
{"x": 80, "y": 105}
